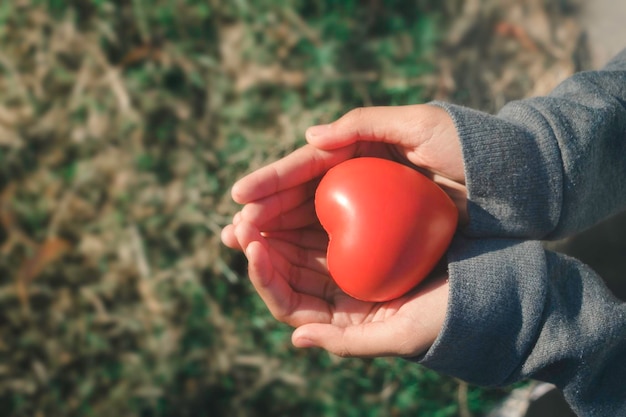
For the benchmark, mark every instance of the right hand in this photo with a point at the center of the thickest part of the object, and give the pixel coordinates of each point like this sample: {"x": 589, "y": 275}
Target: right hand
{"x": 289, "y": 272}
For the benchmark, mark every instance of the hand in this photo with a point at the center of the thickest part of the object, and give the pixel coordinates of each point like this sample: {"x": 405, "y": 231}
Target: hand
{"x": 286, "y": 246}
{"x": 279, "y": 196}
{"x": 288, "y": 270}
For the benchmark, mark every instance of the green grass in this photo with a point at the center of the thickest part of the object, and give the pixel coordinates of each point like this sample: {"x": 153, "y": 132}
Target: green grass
{"x": 123, "y": 124}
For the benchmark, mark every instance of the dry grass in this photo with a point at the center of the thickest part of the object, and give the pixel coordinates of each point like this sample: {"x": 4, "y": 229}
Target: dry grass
{"x": 122, "y": 126}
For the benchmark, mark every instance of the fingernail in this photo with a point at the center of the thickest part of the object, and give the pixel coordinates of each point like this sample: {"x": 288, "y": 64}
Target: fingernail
{"x": 318, "y": 130}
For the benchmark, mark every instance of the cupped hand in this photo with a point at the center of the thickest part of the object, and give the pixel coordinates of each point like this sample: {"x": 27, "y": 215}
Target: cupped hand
{"x": 279, "y": 196}
{"x": 286, "y": 247}
{"x": 288, "y": 270}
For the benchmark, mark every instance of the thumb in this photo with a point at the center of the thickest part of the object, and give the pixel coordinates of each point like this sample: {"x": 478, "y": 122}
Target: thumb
{"x": 399, "y": 125}
{"x": 365, "y": 341}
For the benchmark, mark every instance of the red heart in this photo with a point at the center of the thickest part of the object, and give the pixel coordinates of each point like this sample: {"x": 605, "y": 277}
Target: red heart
{"x": 388, "y": 226}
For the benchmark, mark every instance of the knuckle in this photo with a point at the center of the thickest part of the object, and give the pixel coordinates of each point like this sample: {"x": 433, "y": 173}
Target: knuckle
{"x": 344, "y": 352}
{"x": 358, "y": 121}
{"x": 356, "y": 115}
{"x": 280, "y": 315}
{"x": 286, "y": 309}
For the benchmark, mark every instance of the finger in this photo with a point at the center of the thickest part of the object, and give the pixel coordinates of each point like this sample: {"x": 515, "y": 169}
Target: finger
{"x": 309, "y": 238}
{"x": 369, "y": 340}
{"x": 228, "y": 233}
{"x": 304, "y": 269}
{"x": 262, "y": 210}
{"x": 295, "y": 169}
{"x": 303, "y": 261}
{"x": 304, "y": 279}
{"x": 389, "y": 124}
{"x": 314, "y": 260}
{"x": 423, "y": 134}
{"x": 302, "y": 216}
{"x": 228, "y": 237}
{"x": 283, "y": 302}
{"x": 412, "y": 327}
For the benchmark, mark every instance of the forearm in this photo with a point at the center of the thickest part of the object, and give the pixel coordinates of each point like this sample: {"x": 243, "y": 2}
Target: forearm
{"x": 516, "y": 311}
{"x": 549, "y": 166}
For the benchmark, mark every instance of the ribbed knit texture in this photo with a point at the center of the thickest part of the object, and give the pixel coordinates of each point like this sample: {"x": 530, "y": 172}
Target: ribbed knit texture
{"x": 547, "y": 167}
{"x": 542, "y": 168}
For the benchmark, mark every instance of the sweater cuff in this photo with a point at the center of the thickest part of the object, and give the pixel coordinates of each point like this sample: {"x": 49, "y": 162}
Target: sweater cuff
{"x": 494, "y": 312}
{"x": 512, "y": 171}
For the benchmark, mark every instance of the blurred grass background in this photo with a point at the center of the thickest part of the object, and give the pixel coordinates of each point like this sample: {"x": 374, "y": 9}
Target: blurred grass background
{"x": 123, "y": 123}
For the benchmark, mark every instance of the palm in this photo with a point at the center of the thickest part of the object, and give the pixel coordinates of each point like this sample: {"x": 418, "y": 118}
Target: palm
{"x": 288, "y": 269}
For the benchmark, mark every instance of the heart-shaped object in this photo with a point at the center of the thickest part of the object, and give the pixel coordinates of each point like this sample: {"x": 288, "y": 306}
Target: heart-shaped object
{"x": 388, "y": 226}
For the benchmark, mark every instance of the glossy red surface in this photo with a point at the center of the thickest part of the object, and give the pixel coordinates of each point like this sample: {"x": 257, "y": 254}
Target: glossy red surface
{"x": 388, "y": 224}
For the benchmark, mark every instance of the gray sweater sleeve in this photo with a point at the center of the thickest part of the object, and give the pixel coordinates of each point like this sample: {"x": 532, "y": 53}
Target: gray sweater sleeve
{"x": 517, "y": 311}
{"x": 549, "y": 166}
{"x": 541, "y": 168}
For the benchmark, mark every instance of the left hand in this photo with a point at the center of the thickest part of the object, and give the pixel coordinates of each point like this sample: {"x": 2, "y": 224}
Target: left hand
{"x": 279, "y": 196}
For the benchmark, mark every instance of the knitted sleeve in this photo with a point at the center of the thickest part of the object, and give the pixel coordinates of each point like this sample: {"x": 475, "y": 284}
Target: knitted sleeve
{"x": 547, "y": 167}
{"x": 541, "y": 168}
{"x": 517, "y": 311}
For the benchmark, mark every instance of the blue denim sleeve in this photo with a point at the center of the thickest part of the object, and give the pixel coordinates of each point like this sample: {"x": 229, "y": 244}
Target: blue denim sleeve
{"x": 517, "y": 311}
{"x": 547, "y": 167}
